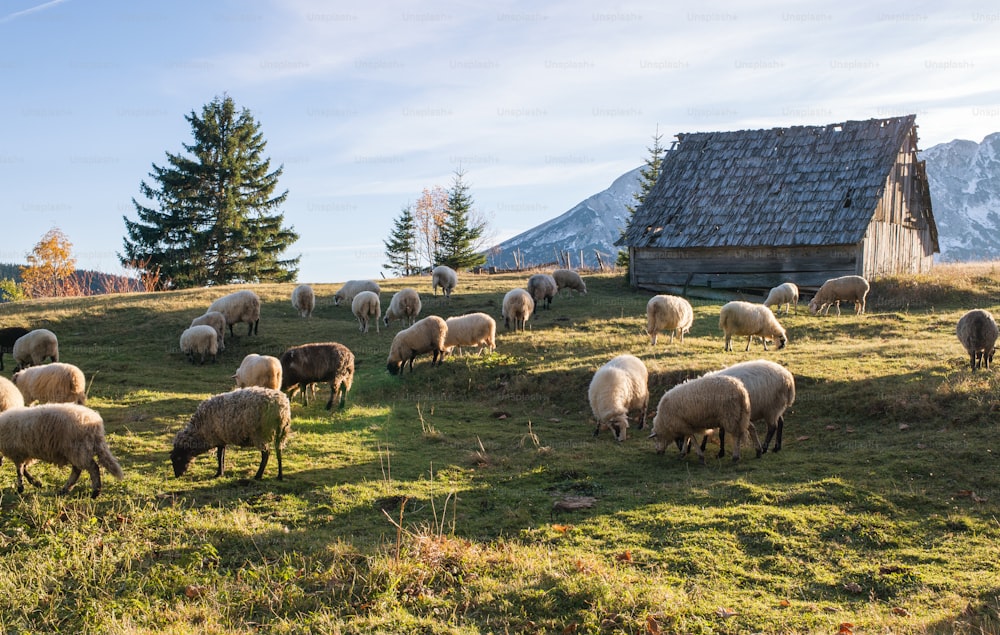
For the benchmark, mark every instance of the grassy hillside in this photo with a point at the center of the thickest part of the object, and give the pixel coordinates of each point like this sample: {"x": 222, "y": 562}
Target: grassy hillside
{"x": 427, "y": 504}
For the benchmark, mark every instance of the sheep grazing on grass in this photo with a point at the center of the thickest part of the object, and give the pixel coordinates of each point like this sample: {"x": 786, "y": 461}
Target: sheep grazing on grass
{"x": 542, "y": 287}
{"x": 836, "y": 290}
{"x": 444, "y": 277}
{"x": 472, "y": 329}
{"x": 34, "y": 347}
{"x": 670, "y": 314}
{"x": 771, "y": 388}
{"x": 52, "y": 383}
{"x": 747, "y": 318}
{"x": 977, "y": 331}
{"x": 786, "y": 295}
{"x": 200, "y": 341}
{"x": 569, "y": 279}
{"x": 619, "y": 387}
{"x": 366, "y": 307}
{"x": 405, "y": 306}
{"x": 8, "y": 336}
{"x": 352, "y": 288}
{"x": 304, "y": 300}
{"x": 425, "y": 336}
{"x": 217, "y": 321}
{"x": 517, "y": 306}
{"x": 259, "y": 370}
{"x": 247, "y": 417}
{"x": 61, "y": 434}
{"x": 318, "y": 362}
{"x": 10, "y": 396}
{"x": 239, "y": 306}
{"x": 699, "y": 405}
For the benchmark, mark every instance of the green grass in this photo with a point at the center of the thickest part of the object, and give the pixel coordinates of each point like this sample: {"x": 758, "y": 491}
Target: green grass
{"x": 426, "y": 505}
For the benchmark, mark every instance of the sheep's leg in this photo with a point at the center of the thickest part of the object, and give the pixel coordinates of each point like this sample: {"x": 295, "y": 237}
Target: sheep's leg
{"x": 756, "y": 440}
{"x": 750, "y": 339}
{"x": 697, "y": 448}
{"x": 264, "y": 454}
{"x": 74, "y": 476}
{"x": 31, "y": 479}
{"x": 838, "y": 308}
{"x": 277, "y": 452}
{"x": 20, "y": 479}
{"x": 729, "y": 343}
{"x": 220, "y": 454}
{"x": 780, "y": 428}
{"x": 722, "y": 442}
{"x": 95, "y": 478}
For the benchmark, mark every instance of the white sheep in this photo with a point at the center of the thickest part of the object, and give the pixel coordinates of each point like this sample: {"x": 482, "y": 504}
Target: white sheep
{"x": 977, "y": 331}
{"x": 746, "y": 318}
{"x": 670, "y": 314}
{"x": 61, "y": 434}
{"x": 247, "y": 417}
{"x": 771, "y": 388}
{"x": 304, "y": 300}
{"x": 517, "y": 306}
{"x": 698, "y": 405}
{"x": 542, "y": 287}
{"x": 352, "y": 288}
{"x": 786, "y": 294}
{"x": 217, "y": 321}
{"x": 52, "y": 383}
{"x": 445, "y": 277}
{"x": 425, "y": 336}
{"x": 239, "y": 306}
{"x": 471, "y": 329}
{"x": 199, "y": 340}
{"x": 405, "y": 306}
{"x": 259, "y": 370}
{"x": 569, "y": 279}
{"x": 34, "y": 348}
{"x": 836, "y": 290}
{"x": 10, "y": 396}
{"x": 619, "y": 387}
{"x": 366, "y": 307}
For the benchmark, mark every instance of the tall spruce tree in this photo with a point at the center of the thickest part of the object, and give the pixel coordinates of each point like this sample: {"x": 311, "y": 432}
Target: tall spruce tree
{"x": 648, "y": 175}
{"x": 401, "y": 247}
{"x": 214, "y": 218}
{"x": 459, "y": 233}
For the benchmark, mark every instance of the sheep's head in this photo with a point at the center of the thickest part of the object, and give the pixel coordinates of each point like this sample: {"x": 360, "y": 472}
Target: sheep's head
{"x": 181, "y": 459}
{"x": 782, "y": 340}
{"x": 394, "y": 367}
{"x": 813, "y": 306}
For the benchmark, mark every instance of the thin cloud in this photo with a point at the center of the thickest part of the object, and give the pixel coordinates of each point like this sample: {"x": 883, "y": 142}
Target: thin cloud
{"x": 17, "y": 14}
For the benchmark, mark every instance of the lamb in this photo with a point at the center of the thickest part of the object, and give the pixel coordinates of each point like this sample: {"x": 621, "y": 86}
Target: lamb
{"x": 352, "y": 288}
{"x": 542, "y": 287}
{"x": 697, "y": 405}
{"x": 472, "y": 329}
{"x": 405, "y": 306}
{"x": 772, "y": 391}
{"x": 365, "y": 307}
{"x": 259, "y": 370}
{"x": 217, "y": 321}
{"x": 247, "y": 417}
{"x": 304, "y": 300}
{"x": 445, "y": 277}
{"x": 10, "y": 396}
{"x": 8, "y": 336}
{"x": 668, "y": 313}
{"x": 977, "y": 331}
{"x": 425, "y": 336}
{"x": 62, "y": 434}
{"x": 34, "y": 347}
{"x": 569, "y": 279}
{"x": 786, "y": 294}
{"x": 619, "y": 387}
{"x": 239, "y": 306}
{"x": 200, "y": 340}
{"x": 517, "y": 306}
{"x": 834, "y": 291}
{"x": 747, "y": 318}
{"x": 52, "y": 383}
{"x": 318, "y": 362}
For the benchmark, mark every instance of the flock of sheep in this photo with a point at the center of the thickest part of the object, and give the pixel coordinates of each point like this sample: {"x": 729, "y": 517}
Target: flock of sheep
{"x": 257, "y": 413}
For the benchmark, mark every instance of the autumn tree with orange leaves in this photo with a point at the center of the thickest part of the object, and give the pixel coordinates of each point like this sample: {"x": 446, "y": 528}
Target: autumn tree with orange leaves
{"x": 50, "y": 268}
{"x": 429, "y": 215}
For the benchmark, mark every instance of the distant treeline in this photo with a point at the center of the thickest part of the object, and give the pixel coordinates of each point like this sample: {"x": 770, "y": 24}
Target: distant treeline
{"x": 86, "y": 281}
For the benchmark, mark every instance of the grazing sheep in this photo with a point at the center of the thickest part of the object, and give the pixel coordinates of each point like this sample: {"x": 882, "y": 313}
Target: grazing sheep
{"x": 669, "y": 313}
{"x": 200, "y": 340}
{"x": 8, "y": 336}
{"x": 10, "y": 396}
{"x": 318, "y": 362}
{"x": 61, "y": 434}
{"x": 472, "y": 329}
{"x": 517, "y": 306}
{"x": 541, "y": 287}
{"x": 569, "y": 279}
{"x": 217, "y": 321}
{"x": 304, "y": 300}
{"x": 247, "y": 417}
{"x": 619, "y": 387}
{"x": 772, "y": 391}
{"x": 977, "y": 331}
{"x": 786, "y": 294}
{"x": 691, "y": 408}
{"x": 445, "y": 277}
{"x": 52, "y": 383}
{"x": 747, "y": 318}
{"x": 352, "y": 288}
{"x": 259, "y": 370}
{"x": 239, "y": 306}
{"x": 836, "y": 290}
{"x": 366, "y": 307}
{"x": 405, "y": 306}
{"x": 32, "y": 348}
{"x": 425, "y": 336}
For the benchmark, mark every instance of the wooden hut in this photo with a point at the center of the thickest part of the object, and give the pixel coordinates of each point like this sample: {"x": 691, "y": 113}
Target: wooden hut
{"x": 745, "y": 211}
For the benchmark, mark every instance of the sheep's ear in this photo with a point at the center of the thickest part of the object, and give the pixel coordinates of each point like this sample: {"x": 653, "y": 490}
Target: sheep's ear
{"x": 652, "y": 436}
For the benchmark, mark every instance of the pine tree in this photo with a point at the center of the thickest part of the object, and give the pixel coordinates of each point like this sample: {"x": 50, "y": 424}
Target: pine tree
{"x": 459, "y": 233}
{"x": 401, "y": 248}
{"x": 214, "y": 217}
{"x": 648, "y": 175}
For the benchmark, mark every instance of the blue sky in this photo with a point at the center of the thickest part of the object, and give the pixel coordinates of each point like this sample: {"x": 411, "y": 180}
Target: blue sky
{"x": 365, "y": 104}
